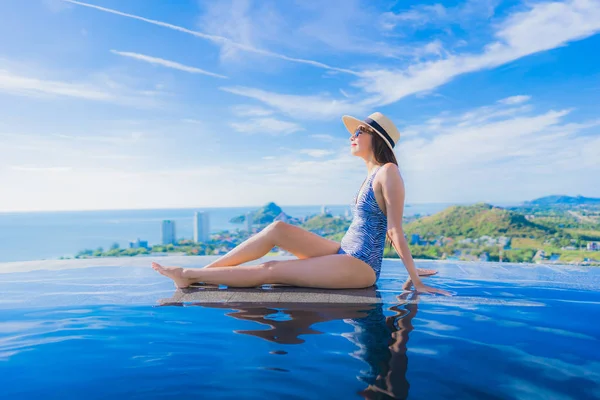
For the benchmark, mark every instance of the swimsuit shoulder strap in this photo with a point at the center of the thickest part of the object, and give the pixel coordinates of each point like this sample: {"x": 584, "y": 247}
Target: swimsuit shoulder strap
{"x": 375, "y": 173}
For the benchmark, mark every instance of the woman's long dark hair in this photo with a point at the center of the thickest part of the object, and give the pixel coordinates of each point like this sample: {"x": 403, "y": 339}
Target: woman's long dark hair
{"x": 383, "y": 154}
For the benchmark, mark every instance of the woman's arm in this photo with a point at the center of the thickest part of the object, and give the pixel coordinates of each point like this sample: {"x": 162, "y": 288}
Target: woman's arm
{"x": 393, "y": 194}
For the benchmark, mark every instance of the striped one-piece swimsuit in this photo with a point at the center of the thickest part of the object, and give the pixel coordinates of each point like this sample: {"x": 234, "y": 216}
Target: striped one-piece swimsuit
{"x": 365, "y": 238}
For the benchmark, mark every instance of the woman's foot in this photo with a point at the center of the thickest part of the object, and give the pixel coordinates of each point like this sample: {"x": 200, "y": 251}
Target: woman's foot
{"x": 175, "y": 273}
{"x": 426, "y": 272}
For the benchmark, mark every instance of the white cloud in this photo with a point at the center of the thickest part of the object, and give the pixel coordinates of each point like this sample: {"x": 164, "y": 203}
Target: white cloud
{"x": 317, "y": 153}
{"x": 219, "y": 40}
{"x": 245, "y": 183}
{"x": 519, "y": 155}
{"x": 103, "y": 91}
{"x": 250, "y": 111}
{"x": 344, "y": 26}
{"x": 323, "y": 137}
{"x": 515, "y": 100}
{"x": 116, "y": 156}
{"x": 433, "y": 47}
{"x": 300, "y": 107}
{"x": 543, "y": 27}
{"x": 30, "y": 168}
{"x": 101, "y": 144}
{"x": 55, "y": 6}
{"x": 26, "y": 86}
{"x": 271, "y": 126}
{"x": 419, "y": 16}
{"x": 127, "y": 139}
{"x": 166, "y": 63}
{"x": 241, "y": 21}
{"x": 500, "y": 152}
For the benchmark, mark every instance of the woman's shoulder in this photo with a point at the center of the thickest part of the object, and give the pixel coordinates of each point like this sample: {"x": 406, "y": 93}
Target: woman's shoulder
{"x": 387, "y": 172}
{"x": 388, "y": 165}
{"x": 389, "y": 169}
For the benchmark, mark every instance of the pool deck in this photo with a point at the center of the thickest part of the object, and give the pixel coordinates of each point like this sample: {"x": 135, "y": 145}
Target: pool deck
{"x": 130, "y": 280}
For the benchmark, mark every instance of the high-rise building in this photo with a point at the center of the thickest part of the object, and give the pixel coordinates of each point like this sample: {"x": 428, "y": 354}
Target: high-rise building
{"x": 249, "y": 222}
{"x": 168, "y": 232}
{"x": 415, "y": 239}
{"x": 136, "y": 244}
{"x": 201, "y": 227}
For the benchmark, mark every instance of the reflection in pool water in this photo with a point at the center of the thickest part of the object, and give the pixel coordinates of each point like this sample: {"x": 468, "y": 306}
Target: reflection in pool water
{"x": 381, "y": 340}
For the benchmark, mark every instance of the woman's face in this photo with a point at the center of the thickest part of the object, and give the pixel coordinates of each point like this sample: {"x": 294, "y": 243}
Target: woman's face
{"x": 361, "y": 142}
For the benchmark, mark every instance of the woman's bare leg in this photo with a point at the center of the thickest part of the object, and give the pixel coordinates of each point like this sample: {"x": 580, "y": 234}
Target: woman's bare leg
{"x": 336, "y": 271}
{"x": 298, "y": 241}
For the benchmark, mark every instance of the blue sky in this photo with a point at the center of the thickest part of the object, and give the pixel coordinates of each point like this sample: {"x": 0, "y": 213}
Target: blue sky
{"x": 152, "y": 104}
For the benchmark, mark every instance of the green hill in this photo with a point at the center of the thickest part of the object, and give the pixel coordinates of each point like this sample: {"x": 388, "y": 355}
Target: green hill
{"x": 326, "y": 225}
{"x": 477, "y": 220}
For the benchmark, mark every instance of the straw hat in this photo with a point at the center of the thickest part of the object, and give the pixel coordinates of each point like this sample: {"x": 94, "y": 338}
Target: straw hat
{"x": 380, "y": 124}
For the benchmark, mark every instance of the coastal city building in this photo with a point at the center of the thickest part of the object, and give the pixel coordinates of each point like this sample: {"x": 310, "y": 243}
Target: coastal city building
{"x": 201, "y": 227}
{"x": 136, "y": 244}
{"x": 415, "y": 239}
{"x": 348, "y": 213}
{"x": 167, "y": 232}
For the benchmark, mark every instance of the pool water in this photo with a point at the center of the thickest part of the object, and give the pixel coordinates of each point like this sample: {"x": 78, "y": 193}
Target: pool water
{"x": 510, "y": 331}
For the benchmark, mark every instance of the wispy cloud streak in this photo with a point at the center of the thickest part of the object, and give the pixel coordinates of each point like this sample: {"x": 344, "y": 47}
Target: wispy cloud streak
{"x": 166, "y": 63}
{"x": 220, "y": 40}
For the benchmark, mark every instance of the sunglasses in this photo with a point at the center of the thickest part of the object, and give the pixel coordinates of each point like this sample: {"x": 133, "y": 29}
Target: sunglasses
{"x": 360, "y": 130}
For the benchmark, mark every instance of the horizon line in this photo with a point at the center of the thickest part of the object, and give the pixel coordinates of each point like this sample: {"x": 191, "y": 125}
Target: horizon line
{"x": 247, "y": 206}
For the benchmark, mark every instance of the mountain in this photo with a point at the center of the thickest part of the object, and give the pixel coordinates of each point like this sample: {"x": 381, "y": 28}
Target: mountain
{"x": 264, "y": 215}
{"x": 557, "y": 200}
{"x": 477, "y": 220}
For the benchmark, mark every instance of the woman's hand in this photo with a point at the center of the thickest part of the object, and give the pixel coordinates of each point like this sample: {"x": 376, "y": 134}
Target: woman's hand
{"x": 421, "y": 288}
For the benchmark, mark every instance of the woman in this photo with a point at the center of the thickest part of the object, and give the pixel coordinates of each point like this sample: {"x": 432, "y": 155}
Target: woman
{"x": 356, "y": 262}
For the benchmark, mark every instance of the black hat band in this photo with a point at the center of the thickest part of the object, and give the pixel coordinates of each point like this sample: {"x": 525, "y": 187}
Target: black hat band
{"x": 375, "y": 125}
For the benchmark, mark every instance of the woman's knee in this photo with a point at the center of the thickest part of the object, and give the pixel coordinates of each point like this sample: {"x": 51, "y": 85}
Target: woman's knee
{"x": 267, "y": 269}
{"x": 275, "y": 228}
{"x": 277, "y": 225}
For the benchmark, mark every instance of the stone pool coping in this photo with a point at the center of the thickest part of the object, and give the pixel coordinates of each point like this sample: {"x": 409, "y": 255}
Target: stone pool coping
{"x": 274, "y": 294}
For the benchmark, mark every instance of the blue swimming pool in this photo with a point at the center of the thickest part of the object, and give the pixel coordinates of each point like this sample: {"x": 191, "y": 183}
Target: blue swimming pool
{"x": 511, "y": 331}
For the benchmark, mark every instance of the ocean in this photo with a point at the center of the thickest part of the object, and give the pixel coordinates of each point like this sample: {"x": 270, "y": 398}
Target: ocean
{"x": 26, "y": 236}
